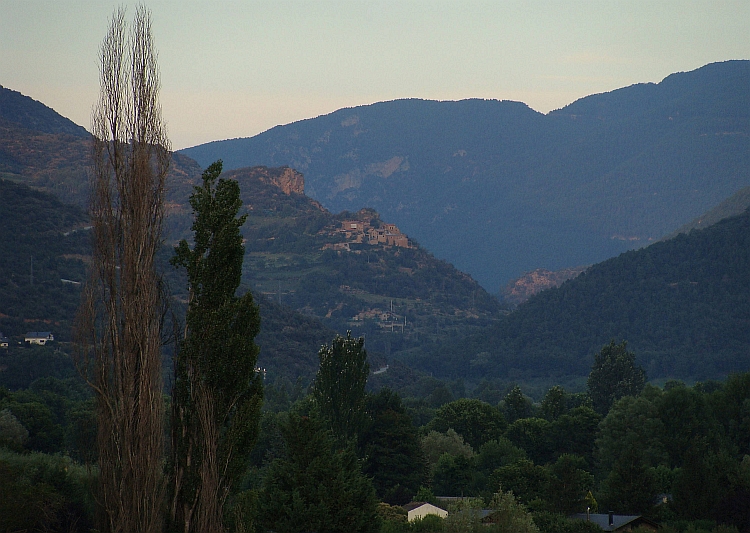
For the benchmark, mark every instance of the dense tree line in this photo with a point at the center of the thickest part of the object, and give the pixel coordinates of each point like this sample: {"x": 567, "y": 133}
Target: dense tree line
{"x": 677, "y": 454}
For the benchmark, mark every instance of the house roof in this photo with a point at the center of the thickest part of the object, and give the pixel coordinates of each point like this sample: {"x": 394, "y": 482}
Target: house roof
{"x": 619, "y": 520}
{"x": 38, "y": 334}
{"x": 416, "y": 505}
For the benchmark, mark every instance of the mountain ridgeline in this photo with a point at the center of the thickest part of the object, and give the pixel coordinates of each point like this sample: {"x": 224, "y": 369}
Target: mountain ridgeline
{"x": 498, "y": 189}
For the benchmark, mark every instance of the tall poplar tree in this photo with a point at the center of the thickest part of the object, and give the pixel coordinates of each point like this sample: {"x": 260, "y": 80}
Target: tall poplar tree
{"x": 217, "y": 392}
{"x": 118, "y": 327}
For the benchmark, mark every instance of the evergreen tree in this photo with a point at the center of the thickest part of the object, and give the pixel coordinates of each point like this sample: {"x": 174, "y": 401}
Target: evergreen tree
{"x": 316, "y": 487}
{"x": 392, "y": 449}
{"x": 339, "y": 388}
{"x": 217, "y": 392}
{"x": 613, "y": 376}
{"x": 630, "y": 486}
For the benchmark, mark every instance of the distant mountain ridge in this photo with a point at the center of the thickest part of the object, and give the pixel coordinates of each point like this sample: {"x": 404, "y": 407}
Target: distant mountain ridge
{"x": 498, "y": 189}
{"x": 33, "y": 115}
{"x": 42, "y": 149}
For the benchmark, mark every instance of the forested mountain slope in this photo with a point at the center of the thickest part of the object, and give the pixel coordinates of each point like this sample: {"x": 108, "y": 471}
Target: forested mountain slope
{"x": 732, "y": 206}
{"x": 42, "y": 243}
{"x": 371, "y": 279}
{"x": 683, "y": 305}
{"x": 498, "y": 189}
{"x": 45, "y": 250}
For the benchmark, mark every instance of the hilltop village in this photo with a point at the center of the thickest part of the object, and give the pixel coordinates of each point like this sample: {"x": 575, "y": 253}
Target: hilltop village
{"x": 363, "y": 231}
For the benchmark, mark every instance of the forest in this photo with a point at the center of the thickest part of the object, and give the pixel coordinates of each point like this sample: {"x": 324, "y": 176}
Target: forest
{"x": 678, "y": 455}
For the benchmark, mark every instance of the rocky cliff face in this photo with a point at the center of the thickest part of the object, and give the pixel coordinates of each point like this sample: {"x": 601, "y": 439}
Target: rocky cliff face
{"x": 523, "y": 288}
{"x": 285, "y": 178}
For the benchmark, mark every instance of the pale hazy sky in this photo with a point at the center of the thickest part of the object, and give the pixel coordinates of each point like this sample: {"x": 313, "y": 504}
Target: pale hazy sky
{"x": 234, "y": 69}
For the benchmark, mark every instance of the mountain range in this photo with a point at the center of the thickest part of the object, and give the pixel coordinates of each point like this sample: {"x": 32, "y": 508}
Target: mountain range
{"x": 608, "y": 162}
{"x": 498, "y": 189}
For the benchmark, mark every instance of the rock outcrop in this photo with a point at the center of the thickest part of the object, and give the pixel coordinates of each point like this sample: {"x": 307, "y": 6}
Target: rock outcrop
{"x": 523, "y": 288}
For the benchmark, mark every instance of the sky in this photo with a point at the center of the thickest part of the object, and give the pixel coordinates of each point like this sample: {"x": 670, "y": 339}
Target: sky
{"x": 237, "y": 68}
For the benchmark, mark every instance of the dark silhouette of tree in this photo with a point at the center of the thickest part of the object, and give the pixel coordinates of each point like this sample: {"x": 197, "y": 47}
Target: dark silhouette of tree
{"x": 516, "y": 405}
{"x": 217, "y": 392}
{"x": 317, "y": 486}
{"x": 476, "y": 421}
{"x": 554, "y": 403}
{"x": 339, "y": 388}
{"x": 613, "y": 376}
{"x": 392, "y": 449}
{"x": 630, "y": 487}
{"x": 569, "y": 484}
{"x": 119, "y": 322}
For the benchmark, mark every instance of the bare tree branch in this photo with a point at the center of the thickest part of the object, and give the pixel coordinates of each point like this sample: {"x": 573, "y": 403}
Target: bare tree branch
{"x": 119, "y": 321}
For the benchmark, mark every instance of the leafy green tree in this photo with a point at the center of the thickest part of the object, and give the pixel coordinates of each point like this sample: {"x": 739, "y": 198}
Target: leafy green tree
{"x": 217, "y": 392}
{"x": 686, "y": 414}
{"x": 42, "y": 492}
{"x": 496, "y": 453}
{"x": 569, "y": 484}
{"x": 509, "y": 515}
{"x": 516, "y": 405}
{"x": 630, "y": 487}
{"x": 533, "y": 436}
{"x": 554, "y": 403}
{"x": 392, "y": 449}
{"x": 575, "y": 432}
{"x": 425, "y": 494}
{"x": 464, "y": 516}
{"x": 632, "y": 422}
{"x": 12, "y": 432}
{"x": 339, "y": 388}
{"x": 430, "y": 523}
{"x": 435, "y": 444}
{"x": 731, "y": 405}
{"x": 549, "y": 522}
{"x": 317, "y": 486}
{"x": 705, "y": 480}
{"x": 394, "y": 518}
{"x": 454, "y": 475}
{"x": 614, "y": 375}
{"x": 476, "y": 421}
{"x": 44, "y": 433}
{"x": 526, "y": 480}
